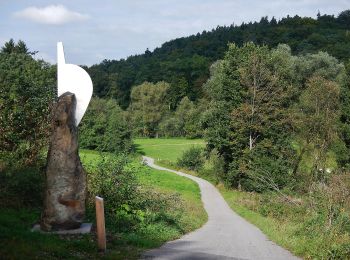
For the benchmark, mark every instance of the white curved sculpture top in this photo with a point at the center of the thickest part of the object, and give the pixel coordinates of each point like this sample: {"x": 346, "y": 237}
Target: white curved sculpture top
{"x": 74, "y": 79}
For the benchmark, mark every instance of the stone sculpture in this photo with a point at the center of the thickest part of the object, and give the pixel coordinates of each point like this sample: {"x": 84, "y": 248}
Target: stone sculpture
{"x": 74, "y": 79}
{"x": 64, "y": 204}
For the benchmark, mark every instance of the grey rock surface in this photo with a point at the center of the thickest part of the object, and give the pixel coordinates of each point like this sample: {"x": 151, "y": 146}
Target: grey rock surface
{"x": 64, "y": 204}
{"x": 225, "y": 236}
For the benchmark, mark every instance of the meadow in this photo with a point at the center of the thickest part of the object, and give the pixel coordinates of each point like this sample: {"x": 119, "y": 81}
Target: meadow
{"x": 165, "y": 149}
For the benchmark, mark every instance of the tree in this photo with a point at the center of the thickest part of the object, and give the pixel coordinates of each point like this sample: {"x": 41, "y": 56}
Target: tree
{"x": 148, "y": 107}
{"x": 318, "y": 120}
{"x": 190, "y": 58}
{"x": 177, "y": 90}
{"x": 26, "y": 94}
{"x": 224, "y": 92}
{"x": 322, "y": 65}
{"x": 259, "y": 125}
{"x": 105, "y": 128}
{"x": 11, "y": 47}
{"x": 188, "y": 115}
{"x": 248, "y": 116}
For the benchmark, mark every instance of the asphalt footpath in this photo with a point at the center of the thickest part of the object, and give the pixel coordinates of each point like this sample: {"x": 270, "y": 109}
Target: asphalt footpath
{"x": 225, "y": 236}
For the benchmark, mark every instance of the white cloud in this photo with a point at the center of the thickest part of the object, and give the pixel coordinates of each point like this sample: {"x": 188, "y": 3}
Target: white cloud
{"x": 51, "y": 14}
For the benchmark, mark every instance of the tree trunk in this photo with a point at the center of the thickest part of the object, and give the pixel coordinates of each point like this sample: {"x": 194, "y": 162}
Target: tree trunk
{"x": 64, "y": 204}
{"x": 250, "y": 142}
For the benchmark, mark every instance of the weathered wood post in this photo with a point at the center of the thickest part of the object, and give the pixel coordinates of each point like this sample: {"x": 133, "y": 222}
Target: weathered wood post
{"x": 100, "y": 224}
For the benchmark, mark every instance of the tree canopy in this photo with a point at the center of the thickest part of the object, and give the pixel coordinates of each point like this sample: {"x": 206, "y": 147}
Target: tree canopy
{"x": 185, "y": 62}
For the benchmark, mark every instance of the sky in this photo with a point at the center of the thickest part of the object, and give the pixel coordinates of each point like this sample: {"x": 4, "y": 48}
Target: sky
{"x": 113, "y": 29}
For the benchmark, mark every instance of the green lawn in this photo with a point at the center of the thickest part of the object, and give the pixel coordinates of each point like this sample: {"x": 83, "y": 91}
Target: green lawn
{"x": 166, "y": 149}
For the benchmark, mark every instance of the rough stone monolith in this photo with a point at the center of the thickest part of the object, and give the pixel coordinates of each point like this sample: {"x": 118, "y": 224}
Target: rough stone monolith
{"x": 64, "y": 203}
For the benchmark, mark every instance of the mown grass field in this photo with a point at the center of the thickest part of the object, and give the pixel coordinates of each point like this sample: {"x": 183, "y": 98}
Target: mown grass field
{"x": 18, "y": 242}
{"x": 163, "y": 149}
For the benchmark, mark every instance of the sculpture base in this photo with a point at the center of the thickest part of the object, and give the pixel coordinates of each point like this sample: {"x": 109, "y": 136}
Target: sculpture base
{"x": 85, "y": 228}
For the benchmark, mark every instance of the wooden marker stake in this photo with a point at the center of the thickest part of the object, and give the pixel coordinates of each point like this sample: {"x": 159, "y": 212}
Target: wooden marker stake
{"x": 100, "y": 224}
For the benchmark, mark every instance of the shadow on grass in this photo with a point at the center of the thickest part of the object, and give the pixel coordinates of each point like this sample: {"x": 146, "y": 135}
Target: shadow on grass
{"x": 137, "y": 148}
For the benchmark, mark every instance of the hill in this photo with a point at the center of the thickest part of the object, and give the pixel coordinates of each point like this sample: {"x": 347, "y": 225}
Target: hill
{"x": 185, "y": 62}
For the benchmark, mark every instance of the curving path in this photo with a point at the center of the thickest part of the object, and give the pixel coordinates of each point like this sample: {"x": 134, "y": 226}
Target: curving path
{"x": 225, "y": 236}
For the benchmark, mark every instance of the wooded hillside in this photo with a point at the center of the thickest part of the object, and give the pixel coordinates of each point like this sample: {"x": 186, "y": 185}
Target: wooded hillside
{"x": 185, "y": 62}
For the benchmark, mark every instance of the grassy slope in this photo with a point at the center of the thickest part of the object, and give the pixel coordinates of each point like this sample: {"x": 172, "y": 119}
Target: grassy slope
{"x": 17, "y": 242}
{"x": 194, "y": 214}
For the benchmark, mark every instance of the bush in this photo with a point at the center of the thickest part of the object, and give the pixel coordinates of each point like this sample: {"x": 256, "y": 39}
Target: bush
{"x": 26, "y": 94}
{"x": 113, "y": 179}
{"x": 128, "y": 206}
{"x": 192, "y": 159}
{"x": 104, "y": 128}
{"x": 22, "y": 188}
{"x": 213, "y": 168}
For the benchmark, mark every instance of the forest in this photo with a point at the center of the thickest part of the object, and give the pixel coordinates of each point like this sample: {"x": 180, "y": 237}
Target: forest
{"x": 271, "y": 99}
{"x": 184, "y": 62}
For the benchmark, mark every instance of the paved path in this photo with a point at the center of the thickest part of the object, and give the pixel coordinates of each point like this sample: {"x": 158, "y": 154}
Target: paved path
{"x": 225, "y": 236}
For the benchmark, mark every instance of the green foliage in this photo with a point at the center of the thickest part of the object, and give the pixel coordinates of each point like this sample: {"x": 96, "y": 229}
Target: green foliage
{"x": 112, "y": 179}
{"x": 318, "y": 119}
{"x": 135, "y": 198}
{"x": 185, "y": 121}
{"x": 19, "y": 48}
{"x": 23, "y": 188}
{"x": 171, "y": 126}
{"x": 224, "y": 93}
{"x": 261, "y": 100}
{"x": 213, "y": 168}
{"x": 177, "y": 91}
{"x": 148, "y": 107}
{"x": 189, "y": 117}
{"x": 185, "y": 62}
{"x": 192, "y": 159}
{"x": 247, "y": 121}
{"x": 345, "y": 115}
{"x": 313, "y": 226}
{"x": 26, "y": 94}
{"x": 104, "y": 127}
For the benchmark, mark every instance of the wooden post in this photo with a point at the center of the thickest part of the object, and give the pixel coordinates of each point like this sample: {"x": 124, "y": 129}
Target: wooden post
{"x": 100, "y": 224}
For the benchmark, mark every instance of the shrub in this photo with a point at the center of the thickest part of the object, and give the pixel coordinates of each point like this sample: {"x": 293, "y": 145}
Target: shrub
{"x": 26, "y": 93}
{"x": 22, "y": 188}
{"x": 213, "y": 168}
{"x": 113, "y": 179}
{"x": 192, "y": 159}
{"x": 104, "y": 127}
{"x": 128, "y": 205}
